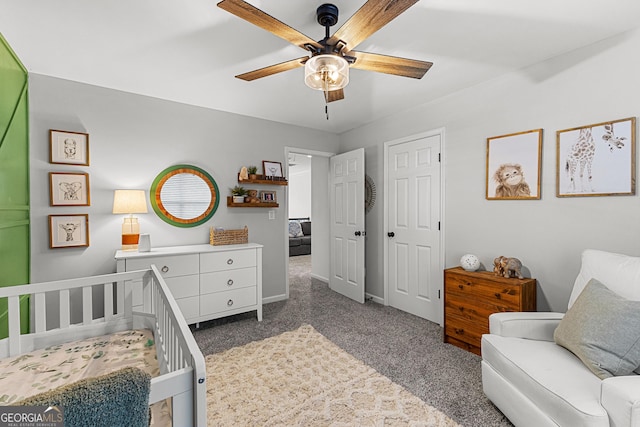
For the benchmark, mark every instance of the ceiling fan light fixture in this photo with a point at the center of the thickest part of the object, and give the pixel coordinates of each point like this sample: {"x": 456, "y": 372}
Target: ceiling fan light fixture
{"x": 326, "y": 72}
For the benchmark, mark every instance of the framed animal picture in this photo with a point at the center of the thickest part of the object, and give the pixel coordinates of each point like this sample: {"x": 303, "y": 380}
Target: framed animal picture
{"x": 69, "y": 189}
{"x": 597, "y": 160}
{"x": 67, "y": 231}
{"x": 68, "y": 148}
{"x": 514, "y": 166}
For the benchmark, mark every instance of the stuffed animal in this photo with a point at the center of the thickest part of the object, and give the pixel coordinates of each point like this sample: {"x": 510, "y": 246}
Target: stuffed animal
{"x": 507, "y": 267}
{"x": 244, "y": 175}
{"x": 252, "y": 196}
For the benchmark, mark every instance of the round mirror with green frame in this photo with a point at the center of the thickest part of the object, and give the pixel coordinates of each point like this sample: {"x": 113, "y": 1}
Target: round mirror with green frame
{"x": 184, "y": 196}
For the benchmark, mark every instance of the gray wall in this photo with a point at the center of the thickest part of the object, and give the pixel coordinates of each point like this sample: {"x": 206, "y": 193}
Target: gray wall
{"x": 590, "y": 85}
{"x": 132, "y": 139}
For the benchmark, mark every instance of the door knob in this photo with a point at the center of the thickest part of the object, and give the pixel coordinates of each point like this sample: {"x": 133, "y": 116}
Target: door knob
{"x": 357, "y": 233}
{"x": 391, "y": 234}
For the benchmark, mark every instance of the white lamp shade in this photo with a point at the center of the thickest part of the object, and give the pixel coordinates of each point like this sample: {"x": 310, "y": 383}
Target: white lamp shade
{"x": 129, "y": 202}
{"x": 326, "y": 72}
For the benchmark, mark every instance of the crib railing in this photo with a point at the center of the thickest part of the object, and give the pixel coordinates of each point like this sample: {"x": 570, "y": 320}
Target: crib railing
{"x": 177, "y": 352}
{"x": 182, "y": 366}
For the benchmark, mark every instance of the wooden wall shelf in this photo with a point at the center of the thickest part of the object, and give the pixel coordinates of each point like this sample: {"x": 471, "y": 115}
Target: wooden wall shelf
{"x": 261, "y": 180}
{"x": 250, "y": 205}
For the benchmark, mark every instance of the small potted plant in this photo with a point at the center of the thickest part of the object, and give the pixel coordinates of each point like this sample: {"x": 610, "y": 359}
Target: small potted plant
{"x": 238, "y": 192}
{"x": 252, "y": 171}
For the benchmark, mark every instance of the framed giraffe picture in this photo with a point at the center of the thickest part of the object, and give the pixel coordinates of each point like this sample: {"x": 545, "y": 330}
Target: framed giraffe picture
{"x": 70, "y": 230}
{"x": 513, "y": 166}
{"x": 597, "y": 160}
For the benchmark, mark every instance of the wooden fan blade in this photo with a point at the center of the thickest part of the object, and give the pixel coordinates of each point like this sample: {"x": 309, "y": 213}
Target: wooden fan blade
{"x": 267, "y": 22}
{"x": 372, "y": 16}
{"x": 334, "y": 95}
{"x": 273, "y": 69}
{"x": 390, "y": 64}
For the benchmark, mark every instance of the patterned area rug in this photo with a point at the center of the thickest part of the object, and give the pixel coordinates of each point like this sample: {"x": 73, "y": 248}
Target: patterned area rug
{"x": 300, "y": 378}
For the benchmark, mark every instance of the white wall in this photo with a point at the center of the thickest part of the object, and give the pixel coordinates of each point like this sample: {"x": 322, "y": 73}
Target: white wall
{"x": 299, "y": 193}
{"x": 320, "y": 225}
{"x": 589, "y": 85}
{"x": 132, "y": 139}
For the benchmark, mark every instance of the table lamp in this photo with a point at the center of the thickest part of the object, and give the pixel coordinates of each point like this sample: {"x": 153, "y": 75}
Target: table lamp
{"x": 130, "y": 202}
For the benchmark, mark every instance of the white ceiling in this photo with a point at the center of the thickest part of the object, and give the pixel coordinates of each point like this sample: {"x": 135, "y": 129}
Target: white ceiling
{"x": 190, "y": 50}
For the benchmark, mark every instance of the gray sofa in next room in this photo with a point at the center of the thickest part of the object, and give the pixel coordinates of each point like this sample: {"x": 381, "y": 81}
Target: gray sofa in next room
{"x": 299, "y": 236}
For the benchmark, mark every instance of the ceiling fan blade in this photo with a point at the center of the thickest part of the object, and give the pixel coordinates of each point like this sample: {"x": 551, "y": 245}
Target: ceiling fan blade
{"x": 334, "y": 95}
{"x": 372, "y": 16}
{"x": 267, "y": 22}
{"x": 390, "y": 64}
{"x": 273, "y": 69}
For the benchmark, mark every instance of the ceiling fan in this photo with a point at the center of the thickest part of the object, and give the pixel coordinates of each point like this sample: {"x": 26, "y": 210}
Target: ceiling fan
{"x": 327, "y": 67}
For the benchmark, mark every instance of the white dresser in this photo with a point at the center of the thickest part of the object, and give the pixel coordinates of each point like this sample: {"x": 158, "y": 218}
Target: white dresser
{"x": 207, "y": 281}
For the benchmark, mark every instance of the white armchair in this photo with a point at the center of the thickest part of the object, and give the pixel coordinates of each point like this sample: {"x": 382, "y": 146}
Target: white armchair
{"x": 535, "y": 382}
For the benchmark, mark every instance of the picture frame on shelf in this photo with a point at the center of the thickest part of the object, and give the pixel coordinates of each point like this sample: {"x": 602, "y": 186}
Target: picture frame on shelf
{"x": 68, "y": 231}
{"x": 597, "y": 159}
{"x": 514, "y": 166}
{"x": 268, "y": 197}
{"x": 68, "y": 148}
{"x": 271, "y": 169}
{"x": 69, "y": 189}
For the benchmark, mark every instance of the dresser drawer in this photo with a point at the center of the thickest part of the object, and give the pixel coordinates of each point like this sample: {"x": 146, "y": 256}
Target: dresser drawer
{"x": 169, "y": 266}
{"x": 180, "y": 287}
{"x": 466, "y": 331}
{"x": 226, "y": 280}
{"x": 505, "y": 295}
{"x": 184, "y": 286}
{"x": 220, "y": 302}
{"x": 218, "y": 261}
{"x": 468, "y": 308}
{"x": 190, "y": 307}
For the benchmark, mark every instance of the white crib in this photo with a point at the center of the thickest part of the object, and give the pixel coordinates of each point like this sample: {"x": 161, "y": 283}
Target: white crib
{"x": 182, "y": 367}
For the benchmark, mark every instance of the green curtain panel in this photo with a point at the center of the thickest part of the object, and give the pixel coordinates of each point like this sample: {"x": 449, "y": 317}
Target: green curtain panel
{"x": 14, "y": 180}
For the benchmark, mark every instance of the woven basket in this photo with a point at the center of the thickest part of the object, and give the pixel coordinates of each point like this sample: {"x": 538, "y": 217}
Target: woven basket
{"x": 228, "y": 237}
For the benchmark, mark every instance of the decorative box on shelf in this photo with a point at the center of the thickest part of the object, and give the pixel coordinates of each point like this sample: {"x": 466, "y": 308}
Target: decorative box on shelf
{"x": 267, "y": 180}
{"x": 221, "y": 236}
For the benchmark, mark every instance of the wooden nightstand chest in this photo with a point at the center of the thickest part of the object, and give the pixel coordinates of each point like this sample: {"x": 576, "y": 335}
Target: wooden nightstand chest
{"x": 471, "y": 296}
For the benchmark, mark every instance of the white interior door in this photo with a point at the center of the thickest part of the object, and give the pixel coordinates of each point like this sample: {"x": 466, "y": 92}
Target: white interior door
{"x": 347, "y": 224}
{"x": 414, "y": 273}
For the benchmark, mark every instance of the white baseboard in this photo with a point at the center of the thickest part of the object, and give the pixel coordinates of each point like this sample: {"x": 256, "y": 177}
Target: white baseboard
{"x": 321, "y": 278}
{"x": 275, "y": 298}
{"x": 374, "y": 298}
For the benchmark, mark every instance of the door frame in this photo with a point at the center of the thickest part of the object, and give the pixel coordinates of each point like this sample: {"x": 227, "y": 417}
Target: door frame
{"x": 385, "y": 207}
{"x": 296, "y": 150}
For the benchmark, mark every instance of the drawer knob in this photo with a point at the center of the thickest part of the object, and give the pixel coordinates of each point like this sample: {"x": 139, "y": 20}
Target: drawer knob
{"x": 498, "y": 295}
{"x": 230, "y": 302}
{"x": 229, "y": 261}
{"x": 459, "y": 331}
{"x": 164, "y": 269}
{"x": 229, "y": 282}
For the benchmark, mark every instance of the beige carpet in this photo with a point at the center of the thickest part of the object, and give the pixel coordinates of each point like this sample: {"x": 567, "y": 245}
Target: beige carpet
{"x": 300, "y": 378}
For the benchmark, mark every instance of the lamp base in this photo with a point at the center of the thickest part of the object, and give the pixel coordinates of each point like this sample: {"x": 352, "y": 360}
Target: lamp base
{"x": 130, "y": 242}
{"x": 130, "y": 234}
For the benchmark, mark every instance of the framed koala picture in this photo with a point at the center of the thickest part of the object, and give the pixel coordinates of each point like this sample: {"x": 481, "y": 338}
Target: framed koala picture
{"x": 514, "y": 166}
